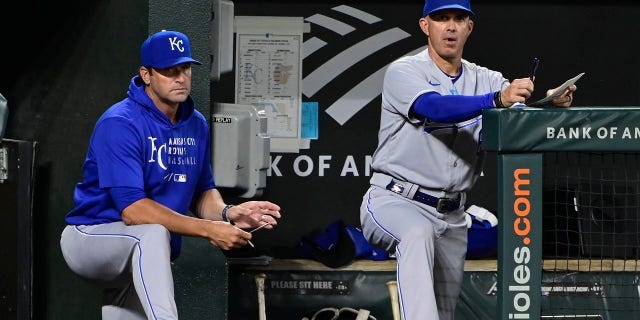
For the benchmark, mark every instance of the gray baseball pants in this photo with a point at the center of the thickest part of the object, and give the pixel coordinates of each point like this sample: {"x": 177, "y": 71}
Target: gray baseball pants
{"x": 430, "y": 248}
{"x": 131, "y": 263}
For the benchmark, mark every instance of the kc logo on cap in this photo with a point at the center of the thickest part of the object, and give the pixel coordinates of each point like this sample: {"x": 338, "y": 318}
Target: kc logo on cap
{"x": 176, "y": 44}
{"x": 166, "y": 49}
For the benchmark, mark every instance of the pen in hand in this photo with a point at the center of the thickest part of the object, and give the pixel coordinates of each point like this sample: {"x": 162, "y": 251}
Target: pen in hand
{"x": 256, "y": 229}
{"x": 260, "y": 227}
{"x": 534, "y": 67}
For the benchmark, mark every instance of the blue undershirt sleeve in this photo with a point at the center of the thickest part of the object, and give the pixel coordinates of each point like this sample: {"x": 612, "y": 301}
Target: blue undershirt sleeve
{"x": 450, "y": 108}
{"x": 124, "y": 196}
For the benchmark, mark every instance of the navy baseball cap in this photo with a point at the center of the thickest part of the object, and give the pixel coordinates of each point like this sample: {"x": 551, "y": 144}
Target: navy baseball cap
{"x": 431, "y": 6}
{"x": 166, "y": 49}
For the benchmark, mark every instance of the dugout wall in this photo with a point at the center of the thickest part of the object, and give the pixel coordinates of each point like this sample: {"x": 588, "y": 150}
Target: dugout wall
{"x": 586, "y": 160}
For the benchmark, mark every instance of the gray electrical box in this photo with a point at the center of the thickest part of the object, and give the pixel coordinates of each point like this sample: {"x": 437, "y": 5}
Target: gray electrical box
{"x": 221, "y": 37}
{"x": 241, "y": 148}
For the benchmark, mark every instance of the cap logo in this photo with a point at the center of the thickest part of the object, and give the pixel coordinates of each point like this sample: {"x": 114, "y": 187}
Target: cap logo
{"x": 176, "y": 43}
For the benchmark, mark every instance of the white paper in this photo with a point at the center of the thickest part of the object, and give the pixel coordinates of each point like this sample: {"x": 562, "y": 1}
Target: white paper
{"x": 556, "y": 93}
{"x": 269, "y": 74}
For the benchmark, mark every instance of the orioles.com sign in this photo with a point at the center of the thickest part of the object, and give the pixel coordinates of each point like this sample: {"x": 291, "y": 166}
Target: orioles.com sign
{"x": 520, "y": 287}
{"x": 520, "y": 263}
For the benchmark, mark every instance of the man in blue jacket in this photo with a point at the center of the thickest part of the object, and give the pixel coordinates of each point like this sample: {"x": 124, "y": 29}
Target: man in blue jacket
{"x": 148, "y": 166}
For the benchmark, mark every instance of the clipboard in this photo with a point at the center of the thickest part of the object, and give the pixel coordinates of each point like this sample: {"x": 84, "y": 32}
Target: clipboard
{"x": 542, "y": 102}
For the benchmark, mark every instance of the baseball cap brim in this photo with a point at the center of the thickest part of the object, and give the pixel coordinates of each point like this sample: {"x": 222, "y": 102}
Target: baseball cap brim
{"x": 174, "y": 62}
{"x": 450, "y": 6}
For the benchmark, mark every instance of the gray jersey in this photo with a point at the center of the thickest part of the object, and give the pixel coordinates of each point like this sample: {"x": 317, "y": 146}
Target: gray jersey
{"x": 432, "y": 155}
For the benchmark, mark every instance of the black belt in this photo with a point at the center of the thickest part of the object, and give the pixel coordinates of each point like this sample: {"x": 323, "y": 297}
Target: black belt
{"x": 443, "y": 205}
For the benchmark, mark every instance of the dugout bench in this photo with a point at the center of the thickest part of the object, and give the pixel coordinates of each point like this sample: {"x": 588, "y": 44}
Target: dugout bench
{"x": 295, "y": 288}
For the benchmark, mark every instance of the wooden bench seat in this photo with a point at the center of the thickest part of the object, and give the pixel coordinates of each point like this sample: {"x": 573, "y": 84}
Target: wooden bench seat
{"x": 583, "y": 265}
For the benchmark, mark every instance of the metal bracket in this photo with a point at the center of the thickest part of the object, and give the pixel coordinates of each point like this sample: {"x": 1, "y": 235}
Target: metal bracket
{"x": 4, "y": 165}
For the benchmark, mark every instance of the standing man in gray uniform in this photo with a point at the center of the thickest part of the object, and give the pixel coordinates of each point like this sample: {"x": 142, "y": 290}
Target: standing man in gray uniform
{"x": 429, "y": 156}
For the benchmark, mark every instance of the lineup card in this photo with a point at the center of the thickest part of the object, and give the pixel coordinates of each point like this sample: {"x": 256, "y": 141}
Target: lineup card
{"x": 269, "y": 74}
{"x": 557, "y": 92}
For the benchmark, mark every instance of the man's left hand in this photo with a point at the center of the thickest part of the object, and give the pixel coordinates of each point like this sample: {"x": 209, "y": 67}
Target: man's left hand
{"x": 565, "y": 99}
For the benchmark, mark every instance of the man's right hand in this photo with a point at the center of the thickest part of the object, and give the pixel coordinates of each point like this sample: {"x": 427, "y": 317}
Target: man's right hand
{"x": 519, "y": 90}
{"x": 225, "y": 235}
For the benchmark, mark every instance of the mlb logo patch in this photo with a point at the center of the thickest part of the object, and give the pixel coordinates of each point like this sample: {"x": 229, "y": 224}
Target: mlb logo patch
{"x": 180, "y": 178}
